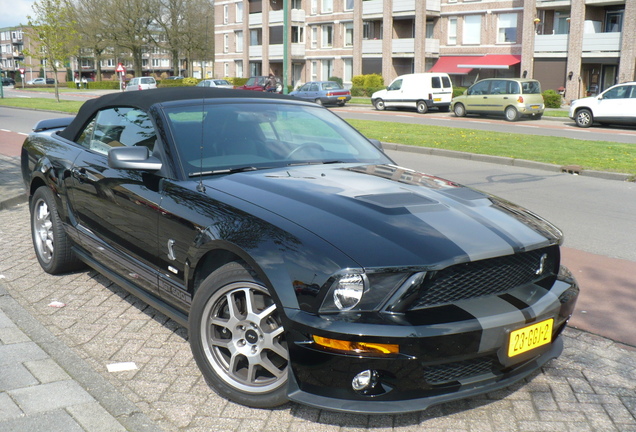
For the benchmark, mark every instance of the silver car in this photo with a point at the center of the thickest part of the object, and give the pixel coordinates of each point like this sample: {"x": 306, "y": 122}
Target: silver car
{"x": 141, "y": 83}
{"x": 218, "y": 83}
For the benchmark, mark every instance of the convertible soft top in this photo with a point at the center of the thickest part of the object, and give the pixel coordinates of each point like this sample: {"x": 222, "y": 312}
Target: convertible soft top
{"x": 145, "y": 99}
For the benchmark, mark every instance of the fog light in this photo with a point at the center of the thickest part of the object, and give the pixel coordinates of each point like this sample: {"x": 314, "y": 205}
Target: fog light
{"x": 365, "y": 381}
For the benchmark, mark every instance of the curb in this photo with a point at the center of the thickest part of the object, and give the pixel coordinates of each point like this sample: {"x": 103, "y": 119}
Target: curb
{"x": 116, "y": 404}
{"x": 522, "y": 163}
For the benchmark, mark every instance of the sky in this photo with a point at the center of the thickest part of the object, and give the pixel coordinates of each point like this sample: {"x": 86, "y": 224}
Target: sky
{"x": 14, "y": 12}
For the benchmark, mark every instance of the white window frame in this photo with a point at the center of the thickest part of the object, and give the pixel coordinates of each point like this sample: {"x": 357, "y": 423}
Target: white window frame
{"x": 348, "y": 70}
{"x": 471, "y": 34}
{"x": 348, "y": 34}
{"x": 226, "y": 69}
{"x": 238, "y": 40}
{"x": 314, "y": 7}
{"x": 239, "y": 12}
{"x": 226, "y": 43}
{"x": 327, "y": 6}
{"x": 327, "y": 68}
{"x": 226, "y": 14}
{"x": 314, "y": 36}
{"x": 327, "y": 33}
{"x": 452, "y": 31}
{"x": 506, "y": 21}
{"x": 314, "y": 70}
{"x": 348, "y": 5}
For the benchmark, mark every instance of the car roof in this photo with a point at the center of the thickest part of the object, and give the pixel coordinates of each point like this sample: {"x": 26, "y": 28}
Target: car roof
{"x": 144, "y": 100}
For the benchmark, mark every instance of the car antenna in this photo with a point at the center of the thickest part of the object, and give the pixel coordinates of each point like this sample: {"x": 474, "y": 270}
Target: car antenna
{"x": 200, "y": 186}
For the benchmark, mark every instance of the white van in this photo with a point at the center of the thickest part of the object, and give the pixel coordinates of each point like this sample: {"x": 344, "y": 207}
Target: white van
{"x": 420, "y": 91}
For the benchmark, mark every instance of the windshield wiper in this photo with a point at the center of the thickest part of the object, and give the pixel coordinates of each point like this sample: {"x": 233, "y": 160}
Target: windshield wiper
{"x": 223, "y": 171}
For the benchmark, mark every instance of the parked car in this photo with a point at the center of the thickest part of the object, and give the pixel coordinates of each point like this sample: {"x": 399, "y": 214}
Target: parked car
{"x": 323, "y": 93}
{"x": 175, "y": 77}
{"x": 259, "y": 83}
{"x": 420, "y": 91}
{"x": 510, "y": 97}
{"x": 219, "y": 83}
{"x": 41, "y": 81}
{"x": 141, "y": 83}
{"x": 616, "y": 105}
{"x": 7, "y": 81}
{"x": 305, "y": 264}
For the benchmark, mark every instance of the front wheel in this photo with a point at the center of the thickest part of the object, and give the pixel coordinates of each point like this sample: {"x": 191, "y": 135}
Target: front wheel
{"x": 421, "y": 107}
{"x": 318, "y": 101}
{"x": 459, "y": 110}
{"x": 584, "y": 118}
{"x": 237, "y": 338}
{"x": 52, "y": 245}
{"x": 379, "y": 104}
{"x": 511, "y": 114}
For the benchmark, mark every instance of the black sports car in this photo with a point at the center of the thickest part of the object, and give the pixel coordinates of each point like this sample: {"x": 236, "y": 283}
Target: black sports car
{"x": 306, "y": 265}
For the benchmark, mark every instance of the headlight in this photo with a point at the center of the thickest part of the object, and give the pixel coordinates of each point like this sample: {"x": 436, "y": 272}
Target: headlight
{"x": 348, "y": 291}
{"x": 355, "y": 290}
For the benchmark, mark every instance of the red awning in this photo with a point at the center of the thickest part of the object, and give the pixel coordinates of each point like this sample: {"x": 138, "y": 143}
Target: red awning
{"x": 462, "y": 65}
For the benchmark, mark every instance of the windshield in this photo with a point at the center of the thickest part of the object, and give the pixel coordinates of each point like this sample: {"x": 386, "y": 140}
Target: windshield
{"x": 226, "y": 137}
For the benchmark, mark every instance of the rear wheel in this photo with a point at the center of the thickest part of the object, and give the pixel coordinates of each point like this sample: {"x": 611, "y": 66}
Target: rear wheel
{"x": 584, "y": 118}
{"x": 459, "y": 110}
{"x": 379, "y": 104}
{"x": 511, "y": 114}
{"x": 422, "y": 108}
{"x": 52, "y": 245}
{"x": 318, "y": 101}
{"x": 237, "y": 338}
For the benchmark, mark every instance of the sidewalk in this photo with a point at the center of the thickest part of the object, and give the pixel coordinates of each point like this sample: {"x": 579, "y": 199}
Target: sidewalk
{"x": 44, "y": 385}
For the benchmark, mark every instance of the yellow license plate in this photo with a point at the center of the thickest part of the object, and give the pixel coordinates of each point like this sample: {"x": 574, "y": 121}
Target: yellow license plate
{"x": 530, "y": 337}
{"x": 534, "y": 106}
{"x": 437, "y": 99}
{"x": 342, "y": 97}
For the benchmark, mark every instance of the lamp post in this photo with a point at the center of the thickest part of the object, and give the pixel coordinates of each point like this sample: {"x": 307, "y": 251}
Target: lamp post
{"x": 285, "y": 43}
{"x": 1, "y": 85}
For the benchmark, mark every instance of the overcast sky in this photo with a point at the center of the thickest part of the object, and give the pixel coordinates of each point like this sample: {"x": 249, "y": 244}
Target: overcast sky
{"x": 14, "y": 12}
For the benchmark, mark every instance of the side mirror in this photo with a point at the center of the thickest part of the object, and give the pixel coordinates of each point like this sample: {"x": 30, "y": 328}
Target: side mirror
{"x": 376, "y": 143}
{"x": 133, "y": 158}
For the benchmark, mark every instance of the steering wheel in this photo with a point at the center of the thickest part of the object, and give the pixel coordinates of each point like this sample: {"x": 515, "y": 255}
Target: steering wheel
{"x": 303, "y": 147}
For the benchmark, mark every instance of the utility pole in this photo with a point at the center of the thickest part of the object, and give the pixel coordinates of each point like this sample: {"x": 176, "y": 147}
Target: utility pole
{"x": 285, "y": 43}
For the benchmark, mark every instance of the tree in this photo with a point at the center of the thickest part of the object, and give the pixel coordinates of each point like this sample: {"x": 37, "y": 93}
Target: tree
{"x": 53, "y": 31}
{"x": 128, "y": 24}
{"x": 87, "y": 16}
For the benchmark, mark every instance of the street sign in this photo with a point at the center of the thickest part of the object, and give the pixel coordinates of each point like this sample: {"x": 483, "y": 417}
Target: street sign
{"x": 120, "y": 68}
{"x": 21, "y": 70}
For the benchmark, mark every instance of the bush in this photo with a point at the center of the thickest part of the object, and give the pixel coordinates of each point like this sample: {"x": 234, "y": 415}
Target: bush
{"x": 458, "y": 91}
{"x": 551, "y": 99}
{"x": 358, "y": 81}
{"x": 374, "y": 80}
{"x": 357, "y": 91}
{"x": 336, "y": 79}
{"x": 237, "y": 82}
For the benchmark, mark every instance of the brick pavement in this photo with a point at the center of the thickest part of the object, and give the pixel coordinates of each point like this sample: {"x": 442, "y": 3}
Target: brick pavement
{"x": 591, "y": 387}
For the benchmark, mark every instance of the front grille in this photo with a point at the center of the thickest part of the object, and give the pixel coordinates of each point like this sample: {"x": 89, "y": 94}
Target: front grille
{"x": 447, "y": 373}
{"x": 483, "y": 278}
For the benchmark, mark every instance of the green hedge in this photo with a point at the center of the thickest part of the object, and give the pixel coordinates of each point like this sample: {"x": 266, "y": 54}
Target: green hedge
{"x": 551, "y": 99}
{"x": 458, "y": 91}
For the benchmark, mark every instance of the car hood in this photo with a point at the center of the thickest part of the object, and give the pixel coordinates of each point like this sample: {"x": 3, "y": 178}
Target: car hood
{"x": 384, "y": 215}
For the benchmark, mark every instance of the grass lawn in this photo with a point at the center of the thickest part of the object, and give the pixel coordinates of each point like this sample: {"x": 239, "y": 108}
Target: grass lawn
{"x": 594, "y": 155}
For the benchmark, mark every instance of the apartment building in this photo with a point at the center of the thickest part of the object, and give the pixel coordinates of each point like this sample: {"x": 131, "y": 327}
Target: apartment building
{"x": 13, "y": 42}
{"x": 581, "y": 46}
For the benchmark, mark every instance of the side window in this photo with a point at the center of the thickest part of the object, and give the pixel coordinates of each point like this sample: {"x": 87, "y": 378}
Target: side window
{"x": 395, "y": 85}
{"x": 436, "y": 82}
{"x": 116, "y": 127}
{"x": 314, "y": 87}
{"x": 621, "y": 92}
{"x": 480, "y": 88}
{"x": 499, "y": 87}
{"x": 446, "y": 82}
{"x": 305, "y": 87}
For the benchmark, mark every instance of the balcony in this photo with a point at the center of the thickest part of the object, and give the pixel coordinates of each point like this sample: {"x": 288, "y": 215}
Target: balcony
{"x": 373, "y": 7}
{"x": 594, "y": 45}
{"x": 372, "y": 46}
{"x": 406, "y": 47}
{"x": 256, "y": 19}
{"x": 256, "y": 51}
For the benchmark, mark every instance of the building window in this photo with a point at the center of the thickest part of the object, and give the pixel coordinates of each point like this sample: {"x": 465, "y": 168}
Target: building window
{"x": 614, "y": 22}
{"x": 327, "y": 69}
{"x": 239, "y": 12}
{"x": 348, "y": 70}
{"x": 507, "y": 32}
{"x": 327, "y": 36}
{"x": 348, "y": 40}
{"x": 327, "y": 6}
{"x": 314, "y": 36}
{"x": 226, "y": 14}
{"x": 348, "y": 4}
{"x": 452, "y": 31}
{"x": 238, "y": 64}
{"x": 226, "y": 69}
{"x": 239, "y": 41}
{"x": 314, "y": 7}
{"x": 314, "y": 70}
{"x": 472, "y": 30}
{"x": 256, "y": 37}
{"x": 297, "y": 4}
{"x": 226, "y": 43}
{"x": 298, "y": 34}
{"x": 561, "y": 23}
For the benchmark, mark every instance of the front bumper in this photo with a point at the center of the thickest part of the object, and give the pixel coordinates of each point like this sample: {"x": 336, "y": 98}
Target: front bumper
{"x": 451, "y": 353}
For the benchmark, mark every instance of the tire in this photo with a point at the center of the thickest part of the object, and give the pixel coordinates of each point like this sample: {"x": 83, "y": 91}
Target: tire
{"x": 459, "y": 110}
{"x": 511, "y": 114}
{"x": 341, "y": 104}
{"x": 237, "y": 338}
{"x": 421, "y": 107}
{"x": 584, "y": 118}
{"x": 379, "y": 104}
{"x": 318, "y": 101}
{"x": 52, "y": 245}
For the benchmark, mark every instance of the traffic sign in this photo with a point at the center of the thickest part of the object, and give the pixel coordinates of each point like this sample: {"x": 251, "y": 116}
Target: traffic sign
{"x": 21, "y": 70}
{"x": 120, "y": 68}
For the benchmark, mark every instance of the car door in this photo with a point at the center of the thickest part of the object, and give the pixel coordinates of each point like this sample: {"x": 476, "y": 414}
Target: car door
{"x": 394, "y": 93}
{"x": 477, "y": 97}
{"x": 303, "y": 91}
{"x": 117, "y": 210}
{"x": 616, "y": 105}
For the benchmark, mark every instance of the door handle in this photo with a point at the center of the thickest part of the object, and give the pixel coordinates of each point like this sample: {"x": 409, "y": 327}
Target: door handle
{"x": 79, "y": 174}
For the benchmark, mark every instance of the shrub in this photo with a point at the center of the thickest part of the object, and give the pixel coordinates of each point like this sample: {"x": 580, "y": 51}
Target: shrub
{"x": 357, "y": 91}
{"x": 237, "y": 82}
{"x": 189, "y": 81}
{"x": 336, "y": 79}
{"x": 374, "y": 80}
{"x": 358, "y": 81}
{"x": 458, "y": 91}
{"x": 551, "y": 99}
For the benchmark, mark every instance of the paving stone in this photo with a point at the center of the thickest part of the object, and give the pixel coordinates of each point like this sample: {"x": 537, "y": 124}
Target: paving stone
{"x": 93, "y": 417}
{"x": 58, "y": 420}
{"x": 14, "y": 376}
{"x": 46, "y": 370}
{"x": 51, "y": 396}
{"x": 8, "y": 409}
